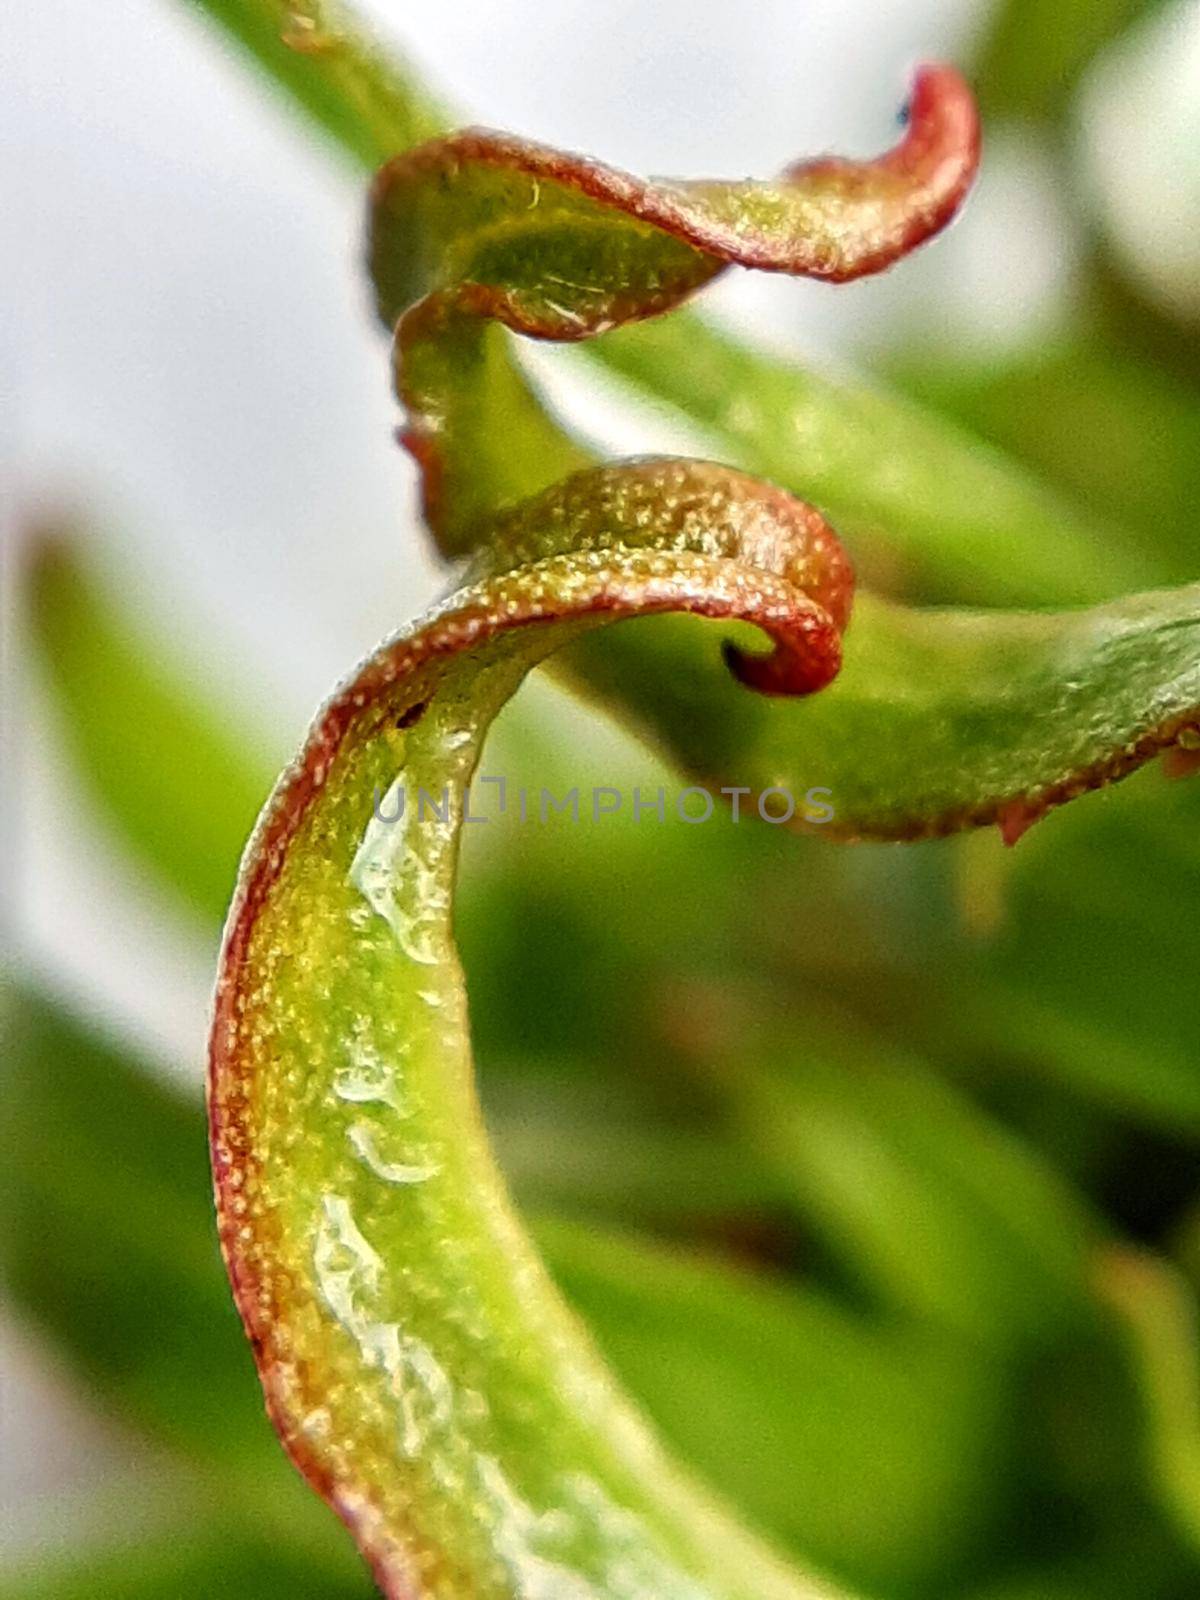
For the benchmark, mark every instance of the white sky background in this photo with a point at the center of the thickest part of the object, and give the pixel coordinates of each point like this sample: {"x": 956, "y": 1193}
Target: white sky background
{"x": 189, "y": 356}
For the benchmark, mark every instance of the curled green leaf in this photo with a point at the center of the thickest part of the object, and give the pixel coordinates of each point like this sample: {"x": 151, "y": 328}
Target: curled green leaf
{"x": 657, "y": 240}
{"x": 480, "y": 228}
{"x": 417, "y": 1362}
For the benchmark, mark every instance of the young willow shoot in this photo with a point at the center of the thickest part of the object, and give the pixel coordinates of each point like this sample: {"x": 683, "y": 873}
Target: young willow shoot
{"x": 418, "y": 1363}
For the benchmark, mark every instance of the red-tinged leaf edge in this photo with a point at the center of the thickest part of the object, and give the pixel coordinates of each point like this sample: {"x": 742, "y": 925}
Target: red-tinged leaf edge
{"x": 448, "y": 220}
{"x": 879, "y": 209}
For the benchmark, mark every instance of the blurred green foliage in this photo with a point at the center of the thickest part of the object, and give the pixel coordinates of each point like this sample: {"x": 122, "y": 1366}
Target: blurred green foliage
{"x": 1037, "y": 51}
{"x": 127, "y": 714}
{"x": 864, "y": 1166}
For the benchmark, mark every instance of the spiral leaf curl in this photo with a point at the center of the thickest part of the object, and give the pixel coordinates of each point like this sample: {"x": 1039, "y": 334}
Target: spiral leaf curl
{"x": 480, "y": 229}
{"x": 941, "y": 720}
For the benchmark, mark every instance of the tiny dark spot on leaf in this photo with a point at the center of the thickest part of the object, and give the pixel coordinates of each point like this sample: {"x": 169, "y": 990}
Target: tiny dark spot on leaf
{"x": 413, "y": 715}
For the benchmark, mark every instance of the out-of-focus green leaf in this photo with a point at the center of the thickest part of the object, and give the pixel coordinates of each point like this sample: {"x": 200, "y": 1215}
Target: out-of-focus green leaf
{"x": 1036, "y": 52}
{"x": 217, "y": 1560}
{"x": 1096, "y": 938}
{"x": 1119, "y": 436}
{"x": 108, "y": 1245}
{"x": 1157, "y": 1310}
{"x": 1093, "y": 934}
{"x": 109, "y": 1242}
{"x": 926, "y": 507}
{"x": 1185, "y": 1243}
{"x": 880, "y": 1452}
{"x": 590, "y": 1146}
{"x": 1124, "y": 1566}
{"x": 182, "y": 789}
{"x": 321, "y": 53}
{"x": 939, "y": 1210}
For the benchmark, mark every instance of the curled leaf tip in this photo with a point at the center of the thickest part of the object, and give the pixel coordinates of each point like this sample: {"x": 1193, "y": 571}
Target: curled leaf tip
{"x": 791, "y": 575}
{"x": 484, "y": 198}
{"x": 918, "y": 187}
{"x": 480, "y": 229}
